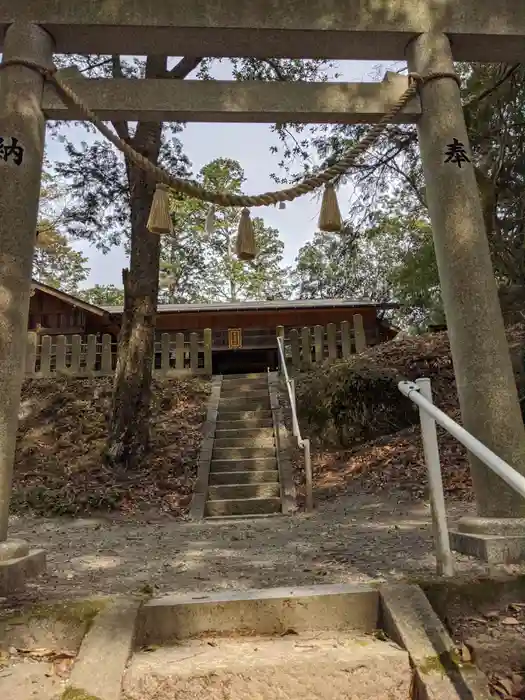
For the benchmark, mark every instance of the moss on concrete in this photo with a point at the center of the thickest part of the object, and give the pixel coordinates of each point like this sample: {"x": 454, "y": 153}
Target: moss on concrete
{"x": 68, "y": 622}
{"x": 431, "y": 664}
{"x": 77, "y": 694}
{"x": 444, "y": 663}
{"x": 81, "y": 612}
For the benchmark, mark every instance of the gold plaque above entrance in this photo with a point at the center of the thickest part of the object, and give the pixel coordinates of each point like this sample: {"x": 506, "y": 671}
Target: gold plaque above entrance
{"x": 234, "y": 338}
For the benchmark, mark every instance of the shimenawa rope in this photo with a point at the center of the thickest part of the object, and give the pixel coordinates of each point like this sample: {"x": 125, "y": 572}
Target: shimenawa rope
{"x": 224, "y": 199}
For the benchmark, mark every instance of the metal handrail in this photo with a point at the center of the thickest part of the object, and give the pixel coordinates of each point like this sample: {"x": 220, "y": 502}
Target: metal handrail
{"x": 303, "y": 443}
{"x": 420, "y": 393}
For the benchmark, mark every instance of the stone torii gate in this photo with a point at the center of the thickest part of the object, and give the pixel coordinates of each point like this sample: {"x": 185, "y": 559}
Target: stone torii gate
{"x": 427, "y": 33}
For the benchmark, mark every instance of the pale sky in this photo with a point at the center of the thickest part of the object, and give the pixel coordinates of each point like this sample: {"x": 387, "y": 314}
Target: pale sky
{"x": 250, "y": 145}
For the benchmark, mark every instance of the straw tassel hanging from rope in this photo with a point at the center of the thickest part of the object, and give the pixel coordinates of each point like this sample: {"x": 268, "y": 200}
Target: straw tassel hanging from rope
{"x": 159, "y": 217}
{"x": 330, "y": 217}
{"x": 245, "y": 244}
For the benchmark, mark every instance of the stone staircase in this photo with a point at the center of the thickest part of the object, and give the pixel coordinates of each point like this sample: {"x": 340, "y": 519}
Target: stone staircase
{"x": 332, "y": 642}
{"x": 244, "y": 475}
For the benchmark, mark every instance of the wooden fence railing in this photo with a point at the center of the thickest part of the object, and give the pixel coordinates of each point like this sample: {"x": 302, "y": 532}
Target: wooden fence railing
{"x": 309, "y": 346}
{"x": 93, "y": 355}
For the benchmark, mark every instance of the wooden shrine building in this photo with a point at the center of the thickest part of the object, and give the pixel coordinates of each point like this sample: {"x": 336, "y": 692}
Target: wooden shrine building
{"x": 243, "y": 334}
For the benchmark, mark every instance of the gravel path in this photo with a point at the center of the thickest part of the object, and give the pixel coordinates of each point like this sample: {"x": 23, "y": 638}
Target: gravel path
{"x": 358, "y": 538}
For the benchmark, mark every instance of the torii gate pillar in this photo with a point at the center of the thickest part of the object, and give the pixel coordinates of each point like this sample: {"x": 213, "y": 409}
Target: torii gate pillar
{"x": 485, "y": 381}
{"x": 22, "y": 134}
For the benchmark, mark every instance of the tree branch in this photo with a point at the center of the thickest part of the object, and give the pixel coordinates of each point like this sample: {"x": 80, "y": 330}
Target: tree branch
{"x": 485, "y": 93}
{"x": 184, "y": 67}
{"x": 95, "y": 65}
{"x": 276, "y": 68}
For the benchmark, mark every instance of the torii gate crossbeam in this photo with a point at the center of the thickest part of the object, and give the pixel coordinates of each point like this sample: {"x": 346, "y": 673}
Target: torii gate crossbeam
{"x": 379, "y": 30}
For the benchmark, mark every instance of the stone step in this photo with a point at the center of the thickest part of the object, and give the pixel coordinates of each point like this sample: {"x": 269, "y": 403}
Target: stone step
{"x": 243, "y": 465}
{"x": 241, "y": 441}
{"x": 270, "y": 611}
{"x": 261, "y": 437}
{"x": 240, "y": 477}
{"x": 242, "y": 491}
{"x": 321, "y": 666}
{"x": 255, "y": 393}
{"x": 232, "y": 378}
{"x": 242, "y": 415}
{"x": 243, "y": 506}
{"x": 293, "y": 643}
{"x": 242, "y": 432}
{"x": 243, "y": 389}
{"x": 235, "y": 401}
{"x": 248, "y": 424}
{"x": 244, "y": 518}
{"x": 239, "y": 405}
{"x": 221, "y": 453}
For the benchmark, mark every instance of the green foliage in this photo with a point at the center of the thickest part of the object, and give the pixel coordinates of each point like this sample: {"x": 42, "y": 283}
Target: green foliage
{"x": 103, "y": 295}
{"x": 391, "y": 260}
{"x": 392, "y": 237}
{"x": 58, "y": 264}
{"x": 55, "y": 262}
{"x": 198, "y": 266}
{"x": 326, "y": 268}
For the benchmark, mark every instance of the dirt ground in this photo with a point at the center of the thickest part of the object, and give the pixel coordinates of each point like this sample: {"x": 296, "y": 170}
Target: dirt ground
{"x": 60, "y": 467}
{"x": 491, "y": 634}
{"x": 357, "y": 538}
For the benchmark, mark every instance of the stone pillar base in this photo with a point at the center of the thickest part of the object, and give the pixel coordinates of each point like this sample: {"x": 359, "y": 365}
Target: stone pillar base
{"x": 18, "y": 564}
{"x": 494, "y": 540}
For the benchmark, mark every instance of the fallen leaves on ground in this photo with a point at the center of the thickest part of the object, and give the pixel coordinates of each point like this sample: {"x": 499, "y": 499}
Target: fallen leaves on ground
{"x": 494, "y": 640}
{"x": 47, "y": 654}
{"x": 60, "y": 470}
{"x": 396, "y": 461}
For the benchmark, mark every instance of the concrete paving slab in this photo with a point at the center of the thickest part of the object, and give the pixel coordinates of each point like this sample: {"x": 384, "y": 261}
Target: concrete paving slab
{"x": 353, "y": 668}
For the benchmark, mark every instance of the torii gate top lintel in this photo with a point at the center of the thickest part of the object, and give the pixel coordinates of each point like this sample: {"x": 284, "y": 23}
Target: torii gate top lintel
{"x": 480, "y": 30}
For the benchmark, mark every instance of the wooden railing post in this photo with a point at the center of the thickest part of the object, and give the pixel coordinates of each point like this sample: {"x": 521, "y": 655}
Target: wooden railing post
{"x": 279, "y": 331}
{"x": 294, "y": 346}
{"x": 359, "y": 333}
{"x": 346, "y": 345}
{"x": 331, "y": 336}
{"x": 179, "y": 352}
{"x": 45, "y": 356}
{"x": 306, "y": 347}
{"x": 208, "y": 352}
{"x": 319, "y": 344}
{"x": 107, "y": 360}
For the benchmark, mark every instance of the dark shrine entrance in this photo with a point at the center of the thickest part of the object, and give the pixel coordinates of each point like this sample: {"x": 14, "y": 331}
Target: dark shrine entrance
{"x": 244, "y": 361}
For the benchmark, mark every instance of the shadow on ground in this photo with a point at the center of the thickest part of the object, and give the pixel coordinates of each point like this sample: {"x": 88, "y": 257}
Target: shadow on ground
{"x": 354, "y": 540}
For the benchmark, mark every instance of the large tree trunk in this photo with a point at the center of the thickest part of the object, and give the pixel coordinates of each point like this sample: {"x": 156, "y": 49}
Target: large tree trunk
{"x": 129, "y": 428}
